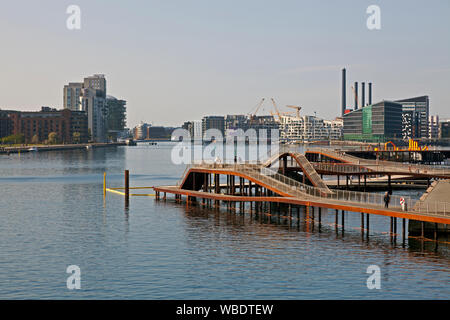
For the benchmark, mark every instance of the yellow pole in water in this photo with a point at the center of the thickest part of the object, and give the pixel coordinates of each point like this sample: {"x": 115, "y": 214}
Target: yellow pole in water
{"x": 104, "y": 184}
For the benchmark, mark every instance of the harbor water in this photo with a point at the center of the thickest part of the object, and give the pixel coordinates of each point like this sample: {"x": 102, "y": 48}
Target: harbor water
{"x": 53, "y": 215}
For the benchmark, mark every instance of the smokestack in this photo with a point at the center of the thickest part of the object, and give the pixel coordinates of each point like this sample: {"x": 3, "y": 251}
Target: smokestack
{"x": 356, "y": 95}
{"x": 363, "y": 94}
{"x": 370, "y": 93}
{"x": 344, "y": 102}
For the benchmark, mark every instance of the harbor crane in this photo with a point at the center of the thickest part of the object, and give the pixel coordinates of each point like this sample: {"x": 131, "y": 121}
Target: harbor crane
{"x": 280, "y": 114}
{"x": 252, "y": 115}
{"x": 298, "y": 108}
{"x": 277, "y": 112}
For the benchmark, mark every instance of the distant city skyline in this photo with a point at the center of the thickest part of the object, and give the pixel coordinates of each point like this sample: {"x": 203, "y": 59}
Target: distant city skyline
{"x": 176, "y": 61}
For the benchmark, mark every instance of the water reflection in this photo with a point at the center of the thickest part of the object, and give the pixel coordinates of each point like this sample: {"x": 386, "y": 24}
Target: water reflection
{"x": 53, "y": 214}
{"x": 198, "y": 220}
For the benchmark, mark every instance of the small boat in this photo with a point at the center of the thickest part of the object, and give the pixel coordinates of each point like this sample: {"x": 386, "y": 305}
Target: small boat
{"x": 88, "y": 147}
{"x": 131, "y": 142}
{"x": 33, "y": 149}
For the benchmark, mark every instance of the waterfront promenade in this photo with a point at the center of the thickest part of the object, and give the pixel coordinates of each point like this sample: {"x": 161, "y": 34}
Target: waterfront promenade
{"x": 57, "y": 147}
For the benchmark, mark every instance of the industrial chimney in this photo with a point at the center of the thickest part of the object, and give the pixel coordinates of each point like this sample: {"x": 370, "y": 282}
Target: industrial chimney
{"x": 363, "y": 94}
{"x": 343, "y": 92}
{"x": 356, "y": 95}
{"x": 370, "y": 93}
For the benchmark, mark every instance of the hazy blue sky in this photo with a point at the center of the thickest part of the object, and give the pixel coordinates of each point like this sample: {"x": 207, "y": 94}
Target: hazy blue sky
{"x": 180, "y": 60}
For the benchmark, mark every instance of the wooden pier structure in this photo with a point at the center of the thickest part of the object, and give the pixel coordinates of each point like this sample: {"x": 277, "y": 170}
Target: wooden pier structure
{"x": 341, "y": 164}
{"x": 268, "y": 183}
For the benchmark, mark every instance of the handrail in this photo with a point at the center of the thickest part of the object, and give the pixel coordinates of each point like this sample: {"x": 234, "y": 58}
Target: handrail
{"x": 297, "y": 189}
{"x": 368, "y": 163}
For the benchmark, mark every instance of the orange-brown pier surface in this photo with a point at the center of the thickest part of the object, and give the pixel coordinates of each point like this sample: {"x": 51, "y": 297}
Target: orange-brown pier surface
{"x": 267, "y": 182}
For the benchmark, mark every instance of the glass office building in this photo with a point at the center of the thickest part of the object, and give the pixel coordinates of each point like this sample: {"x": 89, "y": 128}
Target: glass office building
{"x": 378, "y": 122}
{"x": 415, "y": 117}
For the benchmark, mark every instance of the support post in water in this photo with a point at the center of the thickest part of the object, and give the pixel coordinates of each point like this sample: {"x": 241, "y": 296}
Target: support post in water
{"x": 320, "y": 217}
{"x": 403, "y": 230}
{"x": 127, "y": 185}
{"x": 391, "y": 232}
{"x": 367, "y": 226}
{"x": 422, "y": 230}
{"x": 104, "y": 184}
{"x": 336, "y": 220}
{"x": 435, "y": 231}
{"x": 362, "y": 225}
{"x": 395, "y": 228}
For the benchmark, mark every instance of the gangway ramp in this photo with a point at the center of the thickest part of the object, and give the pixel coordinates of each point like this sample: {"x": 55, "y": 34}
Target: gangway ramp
{"x": 304, "y": 164}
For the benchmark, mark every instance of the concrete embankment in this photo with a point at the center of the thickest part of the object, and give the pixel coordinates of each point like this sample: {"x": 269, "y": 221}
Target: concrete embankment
{"x": 435, "y": 198}
{"x": 60, "y": 147}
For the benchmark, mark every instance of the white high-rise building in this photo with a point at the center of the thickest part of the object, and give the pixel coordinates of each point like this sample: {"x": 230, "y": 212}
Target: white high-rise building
{"x": 97, "y": 82}
{"x": 140, "y": 132}
{"x": 198, "y": 132}
{"x": 433, "y": 127}
{"x": 309, "y": 128}
{"x": 72, "y": 96}
{"x": 90, "y": 96}
{"x": 335, "y": 128}
{"x": 93, "y": 101}
{"x": 95, "y": 107}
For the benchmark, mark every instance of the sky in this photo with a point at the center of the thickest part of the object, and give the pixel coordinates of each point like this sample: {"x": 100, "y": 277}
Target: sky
{"x": 174, "y": 61}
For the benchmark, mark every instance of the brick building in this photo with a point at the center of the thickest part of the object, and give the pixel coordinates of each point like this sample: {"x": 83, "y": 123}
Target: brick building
{"x": 42, "y": 123}
{"x": 5, "y": 124}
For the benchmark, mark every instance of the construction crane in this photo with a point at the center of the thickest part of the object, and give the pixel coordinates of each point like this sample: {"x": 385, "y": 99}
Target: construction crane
{"x": 277, "y": 112}
{"x": 281, "y": 113}
{"x": 252, "y": 115}
{"x": 298, "y": 108}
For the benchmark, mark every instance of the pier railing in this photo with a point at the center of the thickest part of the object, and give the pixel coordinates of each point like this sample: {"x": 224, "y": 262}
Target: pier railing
{"x": 340, "y": 168}
{"x": 435, "y": 207}
{"x": 384, "y": 165}
{"x": 350, "y": 168}
{"x": 291, "y": 183}
{"x": 297, "y": 189}
{"x": 374, "y": 199}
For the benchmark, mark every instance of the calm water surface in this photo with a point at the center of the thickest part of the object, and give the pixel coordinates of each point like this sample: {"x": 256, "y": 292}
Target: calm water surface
{"x": 52, "y": 215}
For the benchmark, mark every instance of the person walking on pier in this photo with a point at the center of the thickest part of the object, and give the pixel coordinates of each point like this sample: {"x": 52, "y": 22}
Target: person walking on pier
{"x": 387, "y": 198}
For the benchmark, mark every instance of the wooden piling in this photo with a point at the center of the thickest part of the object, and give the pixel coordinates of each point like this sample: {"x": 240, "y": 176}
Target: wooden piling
{"x": 290, "y": 214}
{"x": 320, "y": 217}
{"x": 435, "y": 231}
{"x": 423, "y": 230}
{"x": 336, "y": 219}
{"x": 127, "y": 185}
{"x": 104, "y": 184}
{"x": 362, "y": 224}
{"x": 391, "y": 231}
{"x": 367, "y": 225}
{"x": 404, "y": 230}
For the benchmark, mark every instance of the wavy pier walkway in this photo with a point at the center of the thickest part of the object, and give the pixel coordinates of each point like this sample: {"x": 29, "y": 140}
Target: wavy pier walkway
{"x": 327, "y": 161}
{"x": 256, "y": 183}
